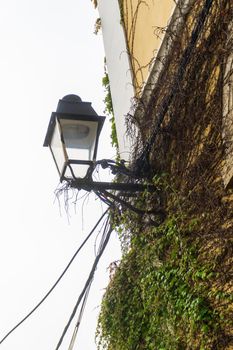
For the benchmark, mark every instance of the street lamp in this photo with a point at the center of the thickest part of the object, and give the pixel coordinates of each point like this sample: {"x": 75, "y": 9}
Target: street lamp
{"x": 72, "y": 136}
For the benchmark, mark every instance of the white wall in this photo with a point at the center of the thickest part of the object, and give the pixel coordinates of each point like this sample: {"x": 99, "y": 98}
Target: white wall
{"x": 118, "y": 69}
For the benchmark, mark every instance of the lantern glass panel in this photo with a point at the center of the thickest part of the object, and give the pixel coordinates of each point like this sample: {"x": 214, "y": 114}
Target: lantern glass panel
{"x": 79, "y": 171}
{"x": 79, "y": 138}
{"x": 57, "y": 149}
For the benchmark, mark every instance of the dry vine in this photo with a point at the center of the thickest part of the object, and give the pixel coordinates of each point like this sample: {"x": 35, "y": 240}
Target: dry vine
{"x": 181, "y": 135}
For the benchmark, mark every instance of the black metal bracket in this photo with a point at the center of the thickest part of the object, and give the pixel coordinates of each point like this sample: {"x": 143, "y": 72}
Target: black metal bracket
{"x": 116, "y": 167}
{"x": 118, "y": 190}
{"x": 90, "y": 185}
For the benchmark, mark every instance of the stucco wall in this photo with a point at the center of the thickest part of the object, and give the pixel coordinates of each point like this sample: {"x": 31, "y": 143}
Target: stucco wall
{"x": 131, "y": 43}
{"x": 144, "y": 26}
{"x": 119, "y": 71}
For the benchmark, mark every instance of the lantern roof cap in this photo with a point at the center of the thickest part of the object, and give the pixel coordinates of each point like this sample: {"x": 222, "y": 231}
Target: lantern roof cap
{"x": 72, "y": 98}
{"x": 73, "y": 108}
{"x": 72, "y": 104}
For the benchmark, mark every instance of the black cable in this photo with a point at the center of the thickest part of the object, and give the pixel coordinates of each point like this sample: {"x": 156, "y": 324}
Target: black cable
{"x": 57, "y": 281}
{"x": 76, "y": 328}
{"x": 92, "y": 272}
{"x": 97, "y": 237}
{"x": 104, "y": 199}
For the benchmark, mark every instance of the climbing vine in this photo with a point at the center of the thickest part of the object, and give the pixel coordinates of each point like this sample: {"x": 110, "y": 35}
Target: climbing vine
{"x": 163, "y": 294}
{"x": 173, "y": 288}
{"x": 97, "y": 26}
{"x": 95, "y": 3}
{"x": 109, "y": 107}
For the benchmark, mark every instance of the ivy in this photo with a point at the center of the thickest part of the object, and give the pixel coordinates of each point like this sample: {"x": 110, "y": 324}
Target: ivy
{"x": 95, "y": 3}
{"x": 109, "y": 107}
{"x": 172, "y": 289}
{"x": 97, "y": 26}
{"x": 159, "y": 297}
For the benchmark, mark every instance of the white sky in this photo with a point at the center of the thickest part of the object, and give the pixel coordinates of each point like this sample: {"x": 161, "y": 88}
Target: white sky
{"x": 48, "y": 50}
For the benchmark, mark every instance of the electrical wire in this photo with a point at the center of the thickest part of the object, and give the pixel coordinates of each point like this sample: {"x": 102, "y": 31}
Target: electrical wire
{"x": 89, "y": 279}
{"x": 57, "y": 281}
{"x": 75, "y": 332}
{"x": 97, "y": 237}
{"x": 100, "y": 251}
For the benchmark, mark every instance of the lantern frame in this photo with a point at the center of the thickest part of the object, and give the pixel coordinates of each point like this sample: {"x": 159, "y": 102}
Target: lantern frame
{"x": 85, "y": 114}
